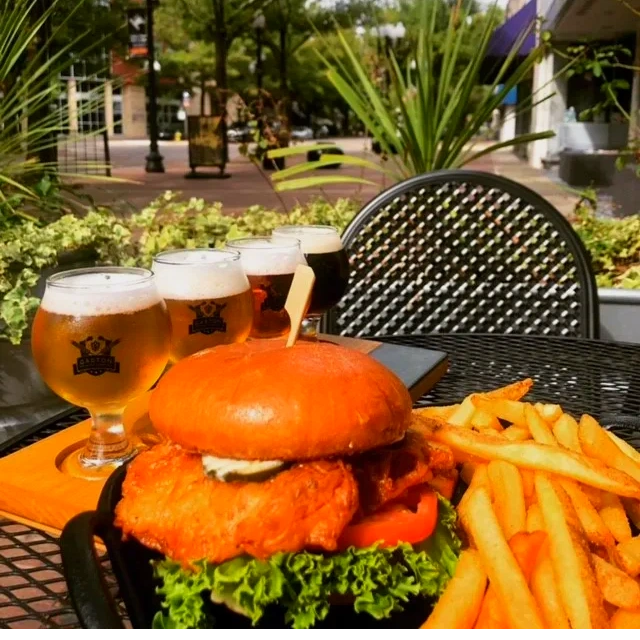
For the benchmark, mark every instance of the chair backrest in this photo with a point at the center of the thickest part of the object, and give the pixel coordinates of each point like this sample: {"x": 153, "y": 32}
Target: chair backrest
{"x": 465, "y": 251}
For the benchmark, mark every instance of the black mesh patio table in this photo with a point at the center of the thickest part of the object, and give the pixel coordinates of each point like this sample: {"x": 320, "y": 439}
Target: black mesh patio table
{"x": 584, "y": 376}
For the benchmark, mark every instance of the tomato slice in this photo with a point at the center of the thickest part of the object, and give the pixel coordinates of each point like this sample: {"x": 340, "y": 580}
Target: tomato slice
{"x": 395, "y": 523}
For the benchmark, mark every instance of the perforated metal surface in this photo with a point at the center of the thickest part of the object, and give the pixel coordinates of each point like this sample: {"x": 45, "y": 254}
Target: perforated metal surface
{"x": 583, "y": 376}
{"x": 473, "y": 253}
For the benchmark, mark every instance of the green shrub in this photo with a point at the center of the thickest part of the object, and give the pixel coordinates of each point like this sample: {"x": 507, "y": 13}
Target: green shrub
{"x": 167, "y": 223}
{"x": 614, "y": 245}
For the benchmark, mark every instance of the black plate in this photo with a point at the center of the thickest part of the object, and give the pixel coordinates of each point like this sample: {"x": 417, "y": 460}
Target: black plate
{"x": 130, "y": 560}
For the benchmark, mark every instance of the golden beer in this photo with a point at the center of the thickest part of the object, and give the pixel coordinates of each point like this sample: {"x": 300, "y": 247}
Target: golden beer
{"x": 270, "y": 264}
{"x": 100, "y": 338}
{"x": 104, "y": 361}
{"x": 208, "y": 298}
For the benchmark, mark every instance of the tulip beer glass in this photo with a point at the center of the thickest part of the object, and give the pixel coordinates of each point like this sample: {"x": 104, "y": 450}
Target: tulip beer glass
{"x": 324, "y": 253}
{"x": 208, "y": 298}
{"x": 270, "y": 264}
{"x": 99, "y": 339}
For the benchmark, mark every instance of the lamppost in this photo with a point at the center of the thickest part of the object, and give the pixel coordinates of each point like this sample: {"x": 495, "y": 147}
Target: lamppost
{"x": 259, "y": 23}
{"x": 154, "y": 159}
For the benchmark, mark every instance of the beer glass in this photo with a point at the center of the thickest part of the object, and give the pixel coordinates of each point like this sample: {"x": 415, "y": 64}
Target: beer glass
{"x": 208, "y": 298}
{"x": 324, "y": 253}
{"x": 99, "y": 339}
{"x": 270, "y": 264}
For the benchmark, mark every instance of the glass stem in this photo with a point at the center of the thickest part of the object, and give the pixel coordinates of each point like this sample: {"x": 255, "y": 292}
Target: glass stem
{"x": 108, "y": 442}
{"x": 310, "y": 327}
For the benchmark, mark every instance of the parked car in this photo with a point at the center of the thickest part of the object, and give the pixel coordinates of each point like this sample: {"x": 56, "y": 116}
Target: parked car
{"x": 240, "y": 132}
{"x": 302, "y": 133}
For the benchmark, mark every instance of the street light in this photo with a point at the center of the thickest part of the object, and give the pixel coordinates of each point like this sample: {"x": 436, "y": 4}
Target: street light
{"x": 259, "y": 23}
{"x": 154, "y": 159}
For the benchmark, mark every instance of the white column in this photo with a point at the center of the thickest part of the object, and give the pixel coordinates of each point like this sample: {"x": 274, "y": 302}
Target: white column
{"x": 508, "y": 126}
{"x": 634, "y": 125}
{"x": 541, "y": 119}
{"x": 72, "y": 105}
{"x": 108, "y": 107}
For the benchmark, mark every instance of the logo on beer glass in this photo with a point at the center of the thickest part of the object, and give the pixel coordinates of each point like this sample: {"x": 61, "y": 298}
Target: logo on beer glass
{"x": 208, "y": 319}
{"x": 95, "y": 356}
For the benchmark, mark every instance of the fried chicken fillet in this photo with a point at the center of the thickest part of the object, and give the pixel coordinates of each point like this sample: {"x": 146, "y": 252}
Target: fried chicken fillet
{"x": 170, "y": 505}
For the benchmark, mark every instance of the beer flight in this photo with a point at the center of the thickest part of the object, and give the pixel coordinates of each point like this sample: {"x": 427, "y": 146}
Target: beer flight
{"x": 103, "y": 335}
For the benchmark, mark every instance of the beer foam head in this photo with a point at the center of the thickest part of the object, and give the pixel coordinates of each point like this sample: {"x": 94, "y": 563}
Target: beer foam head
{"x": 313, "y": 239}
{"x": 97, "y": 292}
{"x": 269, "y": 256}
{"x": 199, "y": 274}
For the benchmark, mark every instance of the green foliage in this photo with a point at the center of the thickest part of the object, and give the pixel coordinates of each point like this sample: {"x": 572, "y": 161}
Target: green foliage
{"x": 424, "y": 116}
{"x": 29, "y": 85}
{"x": 614, "y": 245}
{"x": 167, "y": 223}
{"x": 598, "y": 62}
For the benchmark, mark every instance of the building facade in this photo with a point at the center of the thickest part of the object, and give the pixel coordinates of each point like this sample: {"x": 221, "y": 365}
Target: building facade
{"x": 572, "y": 22}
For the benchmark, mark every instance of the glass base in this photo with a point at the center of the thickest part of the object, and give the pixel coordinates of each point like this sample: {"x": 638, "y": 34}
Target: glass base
{"x": 108, "y": 444}
{"x": 310, "y": 328}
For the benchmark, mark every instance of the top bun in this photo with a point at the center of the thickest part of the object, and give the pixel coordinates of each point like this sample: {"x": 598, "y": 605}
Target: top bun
{"x": 260, "y": 400}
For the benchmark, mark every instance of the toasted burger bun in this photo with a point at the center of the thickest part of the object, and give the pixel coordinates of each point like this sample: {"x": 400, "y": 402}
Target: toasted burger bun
{"x": 262, "y": 401}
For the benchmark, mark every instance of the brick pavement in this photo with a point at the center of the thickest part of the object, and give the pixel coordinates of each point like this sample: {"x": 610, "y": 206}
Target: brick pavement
{"x": 249, "y": 186}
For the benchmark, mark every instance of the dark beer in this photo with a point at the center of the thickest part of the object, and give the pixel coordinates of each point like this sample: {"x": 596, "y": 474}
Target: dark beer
{"x": 270, "y": 264}
{"x": 324, "y": 253}
{"x": 332, "y": 277}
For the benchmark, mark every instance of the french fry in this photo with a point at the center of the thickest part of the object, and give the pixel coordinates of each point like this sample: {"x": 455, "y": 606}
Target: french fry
{"x": 627, "y": 556}
{"x": 538, "y": 428}
{"x": 594, "y": 495}
{"x": 480, "y": 479}
{"x": 623, "y": 619}
{"x": 595, "y": 443}
{"x": 570, "y": 557}
{"x": 461, "y": 417}
{"x": 613, "y": 514}
{"x": 509, "y": 410}
{"x": 445, "y": 485}
{"x": 437, "y": 412}
{"x": 565, "y": 431}
{"x": 526, "y": 549}
{"x": 534, "y": 518}
{"x": 594, "y": 526}
{"x": 545, "y": 591}
{"x": 616, "y": 586}
{"x": 528, "y": 487}
{"x": 632, "y": 507}
{"x": 516, "y": 433}
{"x": 625, "y": 447}
{"x": 460, "y": 603}
{"x": 549, "y": 412}
{"x": 515, "y": 391}
{"x": 508, "y": 497}
{"x": 531, "y": 455}
{"x": 481, "y": 420}
{"x": 466, "y": 472}
{"x": 506, "y": 577}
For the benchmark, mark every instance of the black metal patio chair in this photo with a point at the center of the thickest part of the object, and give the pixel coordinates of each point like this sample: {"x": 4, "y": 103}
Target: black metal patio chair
{"x": 465, "y": 251}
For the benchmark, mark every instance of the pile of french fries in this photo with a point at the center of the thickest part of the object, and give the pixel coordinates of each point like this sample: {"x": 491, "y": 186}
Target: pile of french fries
{"x": 549, "y": 512}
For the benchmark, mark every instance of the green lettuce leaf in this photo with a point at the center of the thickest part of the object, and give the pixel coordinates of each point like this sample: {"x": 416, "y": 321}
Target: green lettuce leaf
{"x": 377, "y": 579}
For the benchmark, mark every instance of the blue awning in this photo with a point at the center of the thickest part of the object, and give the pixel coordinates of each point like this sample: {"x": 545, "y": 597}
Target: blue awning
{"x": 506, "y": 36}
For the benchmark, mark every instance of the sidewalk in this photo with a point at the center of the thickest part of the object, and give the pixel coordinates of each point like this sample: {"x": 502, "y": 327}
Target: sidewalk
{"x": 249, "y": 186}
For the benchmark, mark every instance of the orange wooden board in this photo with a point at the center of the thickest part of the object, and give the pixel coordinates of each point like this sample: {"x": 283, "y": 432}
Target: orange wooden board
{"x": 34, "y": 490}
{"x": 32, "y": 486}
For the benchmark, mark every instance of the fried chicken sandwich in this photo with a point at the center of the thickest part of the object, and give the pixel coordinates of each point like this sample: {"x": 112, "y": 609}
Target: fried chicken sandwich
{"x": 289, "y": 483}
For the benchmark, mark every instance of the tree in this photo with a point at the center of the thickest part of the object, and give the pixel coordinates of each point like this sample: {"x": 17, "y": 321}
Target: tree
{"x": 218, "y": 23}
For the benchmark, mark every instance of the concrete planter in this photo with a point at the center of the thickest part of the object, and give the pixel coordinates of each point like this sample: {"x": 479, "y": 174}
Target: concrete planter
{"x": 620, "y": 315}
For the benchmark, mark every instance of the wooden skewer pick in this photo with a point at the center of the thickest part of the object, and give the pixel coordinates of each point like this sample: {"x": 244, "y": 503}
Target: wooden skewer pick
{"x": 298, "y": 299}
